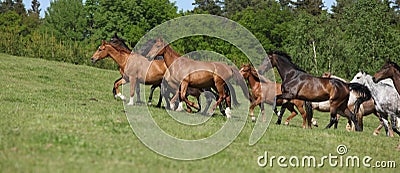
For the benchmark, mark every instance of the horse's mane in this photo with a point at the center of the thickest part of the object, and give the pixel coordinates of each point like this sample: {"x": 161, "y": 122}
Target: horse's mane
{"x": 394, "y": 65}
{"x": 119, "y": 44}
{"x": 284, "y": 56}
{"x": 145, "y": 49}
{"x": 255, "y": 74}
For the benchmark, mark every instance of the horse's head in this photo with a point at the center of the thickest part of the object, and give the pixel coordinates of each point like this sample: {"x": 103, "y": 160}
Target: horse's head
{"x": 386, "y": 71}
{"x": 245, "y": 70}
{"x": 361, "y": 78}
{"x": 158, "y": 49}
{"x": 100, "y": 53}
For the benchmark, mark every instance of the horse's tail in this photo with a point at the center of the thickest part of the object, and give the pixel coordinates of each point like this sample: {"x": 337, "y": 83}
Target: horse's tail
{"x": 240, "y": 81}
{"x": 232, "y": 93}
{"x": 363, "y": 94}
{"x": 309, "y": 112}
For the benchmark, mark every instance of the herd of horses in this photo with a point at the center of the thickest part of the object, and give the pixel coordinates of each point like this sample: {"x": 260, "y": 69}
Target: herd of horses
{"x": 159, "y": 65}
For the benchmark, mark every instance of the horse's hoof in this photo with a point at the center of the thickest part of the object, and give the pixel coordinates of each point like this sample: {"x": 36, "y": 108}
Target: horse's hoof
{"x": 140, "y": 103}
{"x": 130, "y": 104}
{"x": 278, "y": 122}
{"x": 253, "y": 119}
{"x": 286, "y": 123}
{"x": 149, "y": 103}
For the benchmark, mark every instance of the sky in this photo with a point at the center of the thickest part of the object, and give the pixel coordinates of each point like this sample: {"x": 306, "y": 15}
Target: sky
{"x": 182, "y": 4}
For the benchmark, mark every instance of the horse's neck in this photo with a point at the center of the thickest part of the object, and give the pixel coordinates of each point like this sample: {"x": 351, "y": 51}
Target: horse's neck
{"x": 170, "y": 55}
{"x": 253, "y": 82}
{"x": 396, "y": 79}
{"x": 335, "y": 77}
{"x": 119, "y": 57}
{"x": 285, "y": 69}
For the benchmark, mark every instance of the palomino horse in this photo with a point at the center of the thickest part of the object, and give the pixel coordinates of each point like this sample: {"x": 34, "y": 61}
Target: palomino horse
{"x": 387, "y": 100}
{"x": 262, "y": 92}
{"x": 297, "y": 84}
{"x": 389, "y": 70}
{"x": 185, "y": 72}
{"x": 365, "y": 109}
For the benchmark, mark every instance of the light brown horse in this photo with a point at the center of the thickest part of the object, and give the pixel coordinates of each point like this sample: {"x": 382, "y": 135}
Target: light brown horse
{"x": 185, "y": 72}
{"x": 264, "y": 91}
{"x": 131, "y": 63}
{"x": 389, "y": 70}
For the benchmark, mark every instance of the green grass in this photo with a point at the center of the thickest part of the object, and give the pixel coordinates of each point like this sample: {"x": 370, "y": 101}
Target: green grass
{"x": 58, "y": 117}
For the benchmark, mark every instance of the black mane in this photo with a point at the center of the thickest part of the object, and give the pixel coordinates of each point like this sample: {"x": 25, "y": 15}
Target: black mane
{"x": 119, "y": 43}
{"x": 286, "y": 57}
{"x": 394, "y": 65}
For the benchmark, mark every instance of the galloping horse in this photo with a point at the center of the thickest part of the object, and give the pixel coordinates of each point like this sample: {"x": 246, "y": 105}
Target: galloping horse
{"x": 125, "y": 60}
{"x": 185, "y": 72}
{"x": 366, "y": 108}
{"x": 389, "y": 70}
{"x": 387, "y": 100}
{"x": 262, "y": 92}
{"x": 297, "y": 84}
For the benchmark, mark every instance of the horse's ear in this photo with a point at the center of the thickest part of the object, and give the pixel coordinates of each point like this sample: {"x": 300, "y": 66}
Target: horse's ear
{"x": 103, "y": 42}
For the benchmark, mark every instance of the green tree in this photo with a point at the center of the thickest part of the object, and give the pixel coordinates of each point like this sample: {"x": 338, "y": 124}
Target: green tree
{"x": 66, "y": 20}
{"x": 313, "y": 7}
{"x": 208, "y": 6}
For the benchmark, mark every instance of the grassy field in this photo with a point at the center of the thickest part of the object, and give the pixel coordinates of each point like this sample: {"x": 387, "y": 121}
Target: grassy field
{"x": 58, "y": 117}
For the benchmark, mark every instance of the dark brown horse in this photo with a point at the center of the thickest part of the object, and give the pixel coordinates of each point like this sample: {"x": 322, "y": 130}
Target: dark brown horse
{"x": 264, "y": 91}
{"x": 366, "y": 108}
{"x": 389, "y": 70}
{"x": 185, "y": 72}
{"x": 297, "y": 84}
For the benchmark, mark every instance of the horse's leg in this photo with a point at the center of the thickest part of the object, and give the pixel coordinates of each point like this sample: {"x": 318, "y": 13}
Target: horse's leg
{"x": 219, "y": 86}
{"x": 132, "y": 90}
{"x": 274, "y": 104}
{"x": 183, "y": 90}
{"x": 282, "y": 111}
{"x": 116, "y": 91}
{"x": 139, "y": 101}
{"x": 159, "y": 99}
{"x": 228, "y": 102}
{"x": 386, "y": 126}
{"x": 393, "y": 121}
{"x": 292, "y": 115}
{"x": 353, "y": 118}
{"x": 153, "y": 87}
{"x": 333, "y": 119}
{"x": 209, "y": 98}
{"x": 252, "y": 106}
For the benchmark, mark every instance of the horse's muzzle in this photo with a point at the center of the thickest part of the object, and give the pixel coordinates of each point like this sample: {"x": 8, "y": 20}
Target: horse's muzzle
{"x": 94, "y": 60}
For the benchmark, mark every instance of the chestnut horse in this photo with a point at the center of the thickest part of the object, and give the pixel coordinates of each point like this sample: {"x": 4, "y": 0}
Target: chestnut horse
{"x": 297, "y": 84}
{"x": 264, "y": 91}
{"x": 185, "y": 72}
{"x": 389, "y": 70}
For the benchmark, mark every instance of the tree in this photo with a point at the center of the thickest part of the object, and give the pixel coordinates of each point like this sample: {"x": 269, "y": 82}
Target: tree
{"x": 208, "y": 6}
{"x": 313, "y": 7}
{"x": 66, "y": 20}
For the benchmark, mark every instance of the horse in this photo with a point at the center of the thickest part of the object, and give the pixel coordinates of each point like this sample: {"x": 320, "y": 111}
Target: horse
{"x": 389, "y": 70}
{"x": 185, "y": 72}
{"x": 262, "y": 91}
{"x": 298, "y": 84}
{"x": 365, "y": 109}
{"x": 387, "y": 100}
{"x": 120, "y": 58}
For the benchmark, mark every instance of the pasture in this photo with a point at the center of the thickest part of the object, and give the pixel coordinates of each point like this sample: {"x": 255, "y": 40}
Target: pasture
{"x": 58, "y": 117}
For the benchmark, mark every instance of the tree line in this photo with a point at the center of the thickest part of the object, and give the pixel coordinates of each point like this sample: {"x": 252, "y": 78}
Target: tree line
{"x": 353, "y": 35}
